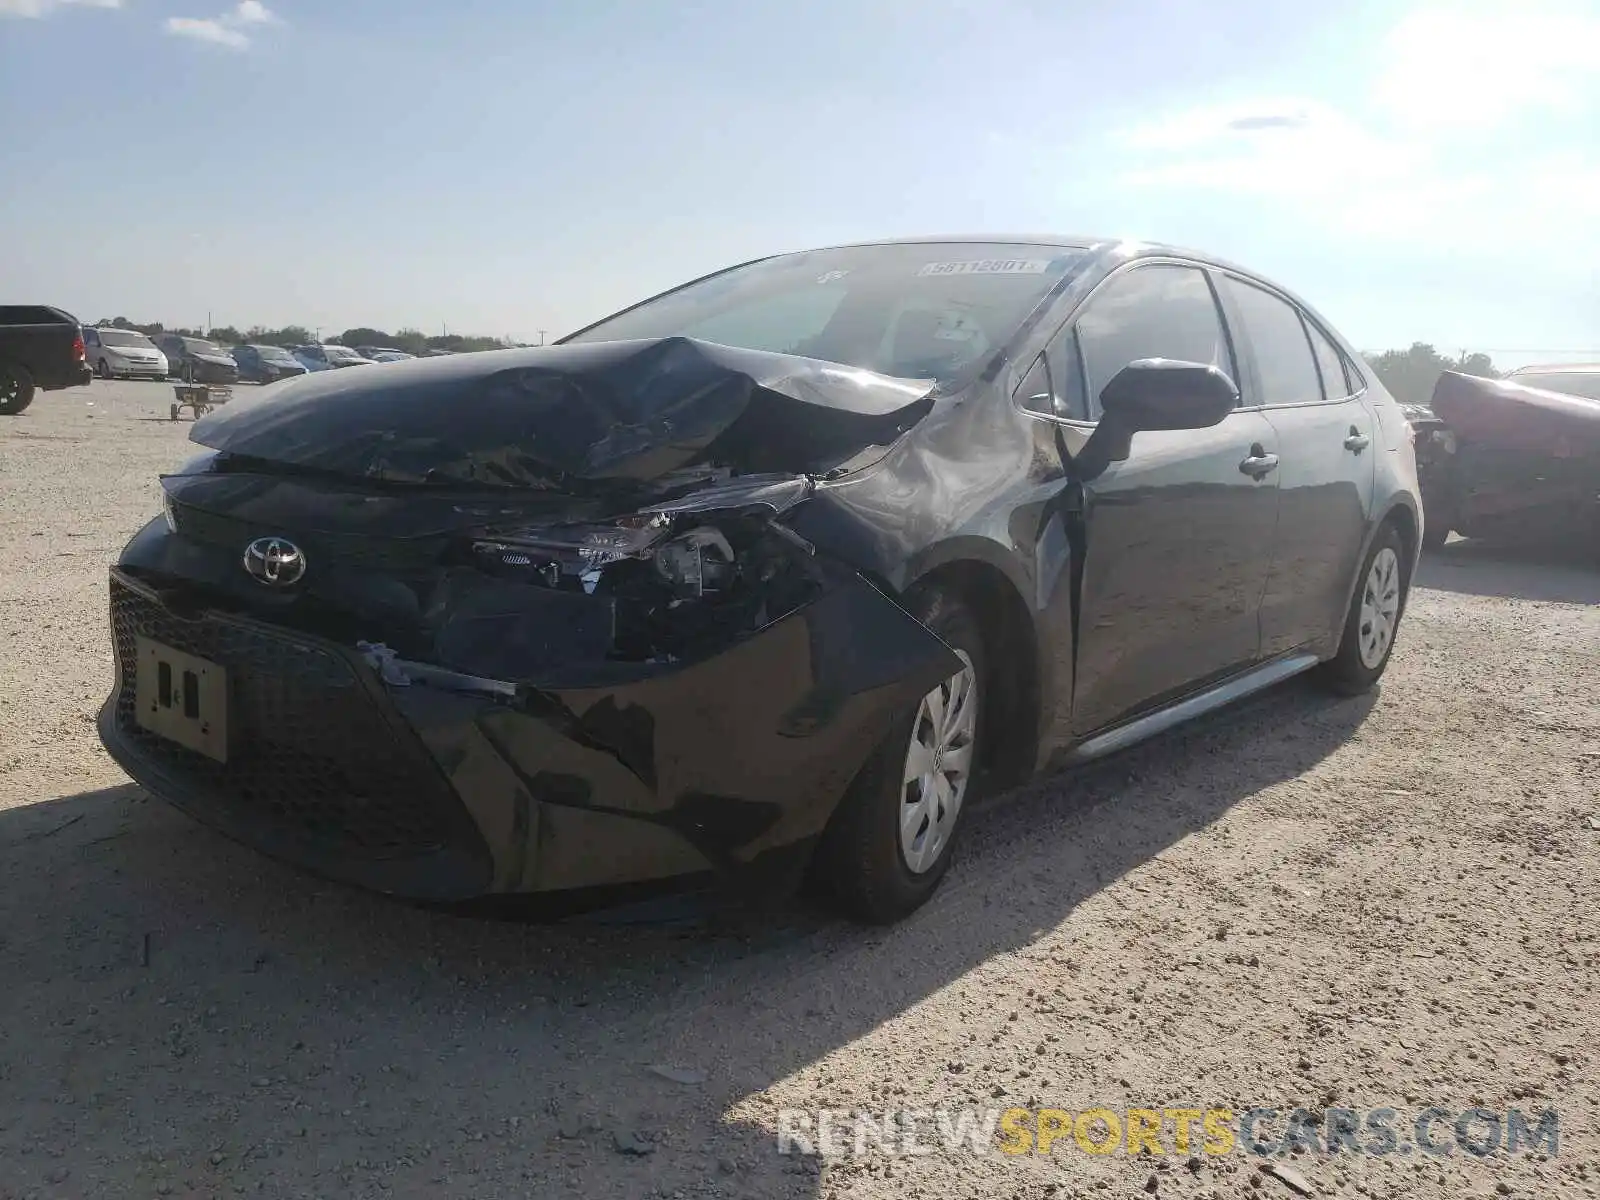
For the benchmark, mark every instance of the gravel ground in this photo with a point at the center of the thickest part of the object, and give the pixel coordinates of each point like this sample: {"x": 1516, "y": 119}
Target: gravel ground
{"x": 1376, "y": 902}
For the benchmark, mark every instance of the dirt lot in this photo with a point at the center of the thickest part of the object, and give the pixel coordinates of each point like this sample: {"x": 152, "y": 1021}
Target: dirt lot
{"x": 1366, "y": 903}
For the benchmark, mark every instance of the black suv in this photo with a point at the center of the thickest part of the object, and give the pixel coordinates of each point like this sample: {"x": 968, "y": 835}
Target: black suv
{"x": 41, "y": 349}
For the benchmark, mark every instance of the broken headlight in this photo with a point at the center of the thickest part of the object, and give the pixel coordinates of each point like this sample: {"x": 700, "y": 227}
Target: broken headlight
{"x": 688, "y": 552}
{"x": 680, "y": 571}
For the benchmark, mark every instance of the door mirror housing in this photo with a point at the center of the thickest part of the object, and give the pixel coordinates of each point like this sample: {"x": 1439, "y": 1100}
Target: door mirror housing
{"x": 1154, "y": 394}
{"x": 1167, "y": 393}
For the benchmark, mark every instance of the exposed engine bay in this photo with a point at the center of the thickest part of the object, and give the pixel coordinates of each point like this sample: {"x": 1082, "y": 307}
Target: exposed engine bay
{"x": 658, "y": 585}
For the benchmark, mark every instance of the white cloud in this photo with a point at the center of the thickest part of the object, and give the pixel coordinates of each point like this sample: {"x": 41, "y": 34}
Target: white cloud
{"x": 224, "y": 30}
{"x": 1472, "y": 68}
{"x": 253, "y": 12}
{"x": 1452, "y": 138}
{"x": 207, "y": 30}
{"x": 43, "y": 8}
{"x": 1286, "y": 148}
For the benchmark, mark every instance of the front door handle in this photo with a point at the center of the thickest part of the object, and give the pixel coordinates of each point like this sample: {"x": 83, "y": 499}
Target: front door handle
{"x": 1357, "y": 441}
{"x": 1259, "y": 464}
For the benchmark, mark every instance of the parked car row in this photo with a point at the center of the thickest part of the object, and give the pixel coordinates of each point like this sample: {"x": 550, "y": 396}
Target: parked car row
{"x": 129, "y": 354}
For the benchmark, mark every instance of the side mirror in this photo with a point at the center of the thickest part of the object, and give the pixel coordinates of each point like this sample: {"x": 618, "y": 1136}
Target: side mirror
{"x": 1151, "y": 394}
{"x": 1166, "y": 393}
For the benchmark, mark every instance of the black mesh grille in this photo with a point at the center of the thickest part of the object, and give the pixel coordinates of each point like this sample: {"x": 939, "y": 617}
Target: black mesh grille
{"x": 311, "y": 752}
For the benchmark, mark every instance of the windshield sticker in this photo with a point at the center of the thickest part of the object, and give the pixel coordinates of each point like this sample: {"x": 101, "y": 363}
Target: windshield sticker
{"x": 831, "y": 276}
{"x": 988, "y": 266}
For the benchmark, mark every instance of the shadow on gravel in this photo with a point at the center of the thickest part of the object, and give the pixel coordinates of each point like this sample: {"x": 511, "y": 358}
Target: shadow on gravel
{"x": 179, "y": 1010}
{"x": 1565, "y": 574}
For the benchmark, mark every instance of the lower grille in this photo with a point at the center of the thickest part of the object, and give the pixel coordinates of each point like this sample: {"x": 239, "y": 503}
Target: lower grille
{"x": 312, "y": 756}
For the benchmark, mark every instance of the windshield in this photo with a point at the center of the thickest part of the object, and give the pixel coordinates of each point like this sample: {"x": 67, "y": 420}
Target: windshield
{"x": 341, "y": 352}
{"x": 1573, "y": 383}
{"x": 918, "y": 311}
{"x": 200, "y": 346}
{"x": 122, "y": 337}
{"x": 274, "y": 354}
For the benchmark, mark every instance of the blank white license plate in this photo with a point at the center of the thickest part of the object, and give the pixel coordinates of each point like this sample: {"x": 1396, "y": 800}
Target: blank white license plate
{"x": 181, "y": 697}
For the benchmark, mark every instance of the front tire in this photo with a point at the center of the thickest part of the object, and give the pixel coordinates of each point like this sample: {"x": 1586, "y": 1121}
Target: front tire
{"x": 894, "y": 834}
{"x": 1373, "y": 619}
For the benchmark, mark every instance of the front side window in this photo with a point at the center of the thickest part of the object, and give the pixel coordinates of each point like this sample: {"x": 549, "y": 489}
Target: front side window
{"x": 1163, "y": 311}
{"x": 1053, "y": 386}
{"x": 1035, "y": 393}
{"x": 1277, "y": 338}
{"x": 917, "y": 310}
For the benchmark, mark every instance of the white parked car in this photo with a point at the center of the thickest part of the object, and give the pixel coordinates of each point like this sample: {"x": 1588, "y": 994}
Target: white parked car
{"x": 123, "y": 353}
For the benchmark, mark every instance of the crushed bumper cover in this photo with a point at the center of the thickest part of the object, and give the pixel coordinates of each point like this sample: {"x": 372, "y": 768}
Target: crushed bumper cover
{"x": 447, "y": 792}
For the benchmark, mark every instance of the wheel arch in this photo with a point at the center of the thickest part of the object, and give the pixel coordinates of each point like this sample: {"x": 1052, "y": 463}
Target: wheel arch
{"x": 1403, "y": 514}
{"x": 1013, "y": 691}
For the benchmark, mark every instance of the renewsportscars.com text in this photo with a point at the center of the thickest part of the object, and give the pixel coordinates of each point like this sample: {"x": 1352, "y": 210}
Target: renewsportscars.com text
{"x": 1262, "y": 1131}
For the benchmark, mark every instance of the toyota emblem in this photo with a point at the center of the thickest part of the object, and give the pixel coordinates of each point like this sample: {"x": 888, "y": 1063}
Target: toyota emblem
{"x": 275, "y": 561}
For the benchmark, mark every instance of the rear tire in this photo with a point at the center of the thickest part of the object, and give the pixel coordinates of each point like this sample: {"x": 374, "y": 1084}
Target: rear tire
{"x": 1374, "y": 617}
{"x": 892, "y": 838}
{"x": 103, "y": 369}
{"x": 16, "y": 389}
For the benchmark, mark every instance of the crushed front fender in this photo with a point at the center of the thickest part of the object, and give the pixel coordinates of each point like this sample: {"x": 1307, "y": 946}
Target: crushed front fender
{"x": 711, "y": 766}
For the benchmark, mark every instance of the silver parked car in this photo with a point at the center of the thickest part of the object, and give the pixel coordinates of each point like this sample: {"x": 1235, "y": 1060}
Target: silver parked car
{"x": 123, "y": 354}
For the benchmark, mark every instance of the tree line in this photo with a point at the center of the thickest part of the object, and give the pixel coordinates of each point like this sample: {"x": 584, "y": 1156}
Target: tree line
{"x": 412, "y": 341}
{"x": 1409, "y": 375}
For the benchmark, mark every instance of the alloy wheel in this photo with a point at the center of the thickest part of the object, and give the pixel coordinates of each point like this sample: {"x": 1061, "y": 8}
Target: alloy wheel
{"x": 938, "y": 767}
{"x": 1380, "y": 608}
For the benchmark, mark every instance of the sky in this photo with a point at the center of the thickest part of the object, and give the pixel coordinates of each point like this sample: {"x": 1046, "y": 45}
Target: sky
{"x": 1415, "y": 170}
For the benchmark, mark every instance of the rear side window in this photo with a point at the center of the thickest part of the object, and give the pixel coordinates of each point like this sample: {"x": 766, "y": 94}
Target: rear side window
{"x": 1277, "y": 339}
{"x": 1331, "y": 365}
{"x": 1163, "y": 311}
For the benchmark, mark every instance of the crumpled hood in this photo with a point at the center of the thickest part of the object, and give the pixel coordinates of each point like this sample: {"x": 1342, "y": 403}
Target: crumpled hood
{"x": 553, "y": 417}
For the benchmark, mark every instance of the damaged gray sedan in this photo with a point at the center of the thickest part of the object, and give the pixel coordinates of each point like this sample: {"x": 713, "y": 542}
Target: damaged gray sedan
{"x": 764, "y": 578}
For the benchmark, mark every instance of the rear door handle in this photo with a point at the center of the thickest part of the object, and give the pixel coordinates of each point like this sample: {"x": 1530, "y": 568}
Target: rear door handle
{"x": 1259, "y": 464}
{"x": 1357, "y": 441}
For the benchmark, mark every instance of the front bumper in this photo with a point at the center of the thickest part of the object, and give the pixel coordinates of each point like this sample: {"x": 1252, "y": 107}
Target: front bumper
{"x": 728, "y": 767}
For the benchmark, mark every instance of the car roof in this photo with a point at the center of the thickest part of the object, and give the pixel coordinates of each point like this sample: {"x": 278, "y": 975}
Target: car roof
{"x": 1559, "y": 369}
